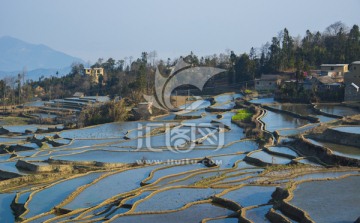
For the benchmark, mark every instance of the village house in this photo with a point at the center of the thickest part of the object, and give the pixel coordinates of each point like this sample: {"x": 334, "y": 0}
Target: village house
{"x": 267, "y": 82}
{"x": 335, "y": 71}
{"x": 323, "y": 83}
{"x": 94, "y": 73}
{"x": 352, "y": 82}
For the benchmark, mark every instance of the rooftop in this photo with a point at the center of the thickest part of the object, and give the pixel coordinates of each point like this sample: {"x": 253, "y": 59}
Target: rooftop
{"x": 326, "y": 80}
{"x": 356, "y": 62}
{"x": 95, "y": 68}
{"x": 333, "y": 65}
{"x": 268, "y": 77}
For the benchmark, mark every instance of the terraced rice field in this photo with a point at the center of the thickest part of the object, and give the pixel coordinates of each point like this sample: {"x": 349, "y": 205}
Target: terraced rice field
{"x": 123, "y": 172}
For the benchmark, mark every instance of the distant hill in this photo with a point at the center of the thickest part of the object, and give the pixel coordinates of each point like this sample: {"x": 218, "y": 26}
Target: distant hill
{"x": 37, "y": 59}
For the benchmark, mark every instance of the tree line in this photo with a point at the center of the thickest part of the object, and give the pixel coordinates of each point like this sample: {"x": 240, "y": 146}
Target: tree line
{"x": 129, "y": 77}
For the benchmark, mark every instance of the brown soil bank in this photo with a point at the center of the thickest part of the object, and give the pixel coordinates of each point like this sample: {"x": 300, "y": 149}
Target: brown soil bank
{"x": 299, "y": 215}
{"x": 324, "y": 154}
{"x": 335, "y": 136}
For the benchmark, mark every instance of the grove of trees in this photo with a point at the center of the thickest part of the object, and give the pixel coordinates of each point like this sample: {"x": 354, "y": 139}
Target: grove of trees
{"x": 129, "y": 77}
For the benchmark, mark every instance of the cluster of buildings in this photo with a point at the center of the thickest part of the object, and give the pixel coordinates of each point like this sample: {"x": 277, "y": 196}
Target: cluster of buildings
{"x": 331, "y": 77}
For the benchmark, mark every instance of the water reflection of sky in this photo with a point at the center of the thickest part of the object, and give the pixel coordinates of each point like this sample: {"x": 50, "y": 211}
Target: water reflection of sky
{"x": 275, "y": 121}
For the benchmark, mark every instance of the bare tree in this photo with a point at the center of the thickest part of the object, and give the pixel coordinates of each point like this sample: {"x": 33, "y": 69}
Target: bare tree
{"x": 11, "y": 82}
{"x": 152, "y": 56}
{"x": 335, "y": 28}
{"x": 130, "y": 61}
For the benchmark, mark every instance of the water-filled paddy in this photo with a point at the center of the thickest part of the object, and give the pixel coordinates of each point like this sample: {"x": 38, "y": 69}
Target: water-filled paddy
{"x": 196, "y": 178}
{"x": 5, "y": 210}
{"x": 227, "y": 97}
{"x": 291, "y": 132}
{"x": 250, "y": 195}
{"x": 9, "y": 140}
{"x": 319, "y": 176}
{"x": 263, "y": 101}
{"x": 275, "y": 121}
{"x": 336, "y": 109}
{"x": 320, "y": 205}
{"x": 194, "y": 213}
{"x": 136, "y": 198}
{"x": 283, "y": 150}
{"x": 179, "y": 180}
{"x": 46, "y": 199}
{"x": 110, "y": 186}
{"x": 199, "y": 104}
{"x": 4, "y": 157}
{"x": 174, "y": 170}
{"x": 224, "y": 220}
{"x": 132, "y": 156}
{"x": 267, "y": 158}
{"x": 301, "y": 109}
{"x": 237, "y": 178}
{"x": 227, "y": 161}
{"x": 174, "y": 199}
{"x": 258, "y": 214}
{"x": 10, "y": 167}
{"x": 338, "y": 149}
{"x": 348, "y": 129}
{"x": 110, "y": 130}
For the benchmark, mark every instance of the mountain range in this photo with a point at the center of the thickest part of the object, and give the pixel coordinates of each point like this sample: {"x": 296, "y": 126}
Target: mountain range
{"x": 37, "y": 59}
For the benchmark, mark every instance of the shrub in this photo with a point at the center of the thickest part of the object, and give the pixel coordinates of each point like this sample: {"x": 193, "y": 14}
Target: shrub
{"x": 108, "y": 112}
{"x": 243, "y": 115}
{"x": 247, "y": 91}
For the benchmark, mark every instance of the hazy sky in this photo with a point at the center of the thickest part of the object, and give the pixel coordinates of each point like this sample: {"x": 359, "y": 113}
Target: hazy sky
{"x": 90, "y": 29}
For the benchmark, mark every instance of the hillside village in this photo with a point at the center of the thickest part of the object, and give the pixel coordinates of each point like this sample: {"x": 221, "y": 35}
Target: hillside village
{"x": 331, "y": 83}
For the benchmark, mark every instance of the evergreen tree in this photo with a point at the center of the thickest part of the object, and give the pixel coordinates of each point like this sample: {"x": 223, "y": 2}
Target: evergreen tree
{"x": 352, "y": 51}
{"x": 275, "y": 55}
{"x": 244, "y": 69}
